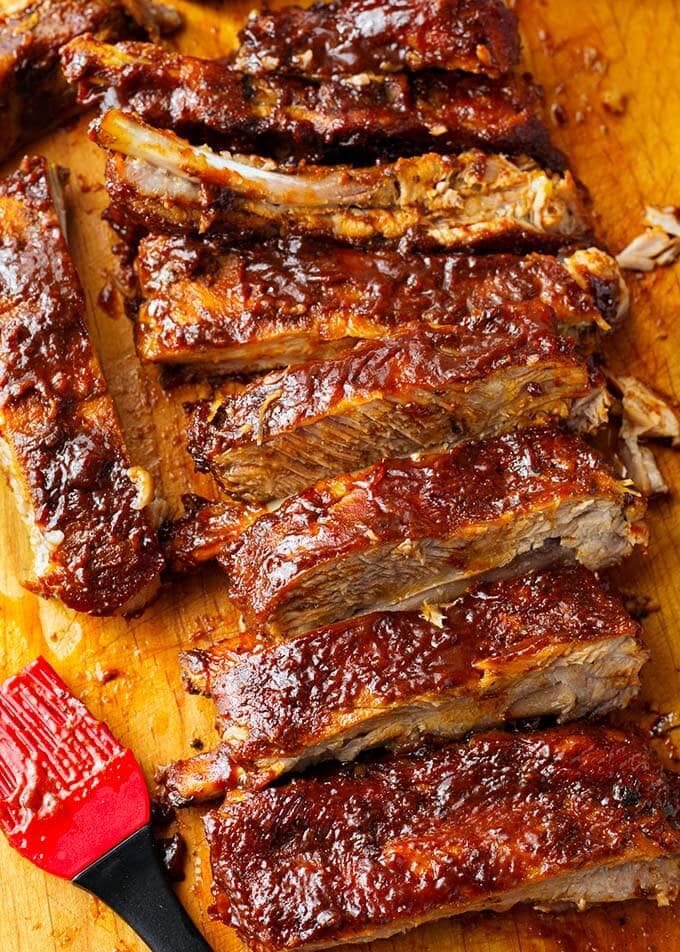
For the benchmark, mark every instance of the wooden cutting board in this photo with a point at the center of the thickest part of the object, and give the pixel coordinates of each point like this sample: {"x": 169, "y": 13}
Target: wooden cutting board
{"x": 587, "y": 53}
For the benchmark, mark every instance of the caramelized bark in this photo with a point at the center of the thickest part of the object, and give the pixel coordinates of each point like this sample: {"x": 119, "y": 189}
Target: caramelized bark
{"x": 393, "y": 398}
{"x": 401, "y": 527}
{"x": 208, "y": 101}
{"x": 284, "y": 302}
{"x": 370, "y": 850}
{"x": 93, "y": 541}
{"x": 202, "y": 532}
{"x": 473, "y": 200}
{"x": 551, "y": 642}
{"x": 34, "y": 94}
{"x": 379, "y": 36}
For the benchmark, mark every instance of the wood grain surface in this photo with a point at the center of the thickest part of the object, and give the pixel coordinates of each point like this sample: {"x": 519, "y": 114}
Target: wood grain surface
{"x": 588, "y": 54}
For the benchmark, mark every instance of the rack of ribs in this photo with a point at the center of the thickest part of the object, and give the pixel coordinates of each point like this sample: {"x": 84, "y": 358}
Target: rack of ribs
{"x": 402, "y": 531}
{"x": 549, "y": 643}
{"x": 93, "y": 542}
{"x": 34, "y": 94}
{"x": 360, "y": 37}
{"x": 208, "y": 101}
{"x": 569, "y": 815}
{"x": 474, "y": 200}
{"x": 283, "y": 432}
{"x": 251, "y": 309}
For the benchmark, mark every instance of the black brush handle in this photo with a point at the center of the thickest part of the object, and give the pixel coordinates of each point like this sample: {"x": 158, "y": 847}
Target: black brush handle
{"x": 129, "y": 879}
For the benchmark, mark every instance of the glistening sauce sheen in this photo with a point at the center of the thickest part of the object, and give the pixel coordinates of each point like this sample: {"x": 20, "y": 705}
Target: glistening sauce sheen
{"x": 394, "y": 841}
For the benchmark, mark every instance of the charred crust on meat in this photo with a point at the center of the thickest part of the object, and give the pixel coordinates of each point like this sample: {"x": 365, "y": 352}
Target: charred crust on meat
{"x": 551, "y": 642}
{"x": 535, "y": 814}
{"x": 288, "y": 559}
{"x": 93, "y": 546}
{"x": 361, "y": 37}
{"x": 206, "y": 303}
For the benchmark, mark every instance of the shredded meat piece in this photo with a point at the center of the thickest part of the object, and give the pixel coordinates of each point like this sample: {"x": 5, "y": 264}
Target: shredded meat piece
{"x": 658, "y": 245}
{"x": 645, "y": 415}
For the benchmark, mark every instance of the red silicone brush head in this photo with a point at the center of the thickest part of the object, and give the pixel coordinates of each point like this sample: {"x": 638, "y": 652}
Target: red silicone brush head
{"x": 68, "y": 791}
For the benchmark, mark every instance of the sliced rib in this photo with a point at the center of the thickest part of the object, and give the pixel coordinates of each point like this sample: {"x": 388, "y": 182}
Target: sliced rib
{"x": 93, "y": 543}
{"x": 163, "y": 183}
{"x": 572, "y": 815}
{"x": 353, "y": 37}
{"x": 283, "y": 432}
{"x": 34, "y": 94}
{"x": 207, "y": 101}
{"x": 249, "y": 309}
{"x": 406, "y": 530}
{"x": 552, "y": 642}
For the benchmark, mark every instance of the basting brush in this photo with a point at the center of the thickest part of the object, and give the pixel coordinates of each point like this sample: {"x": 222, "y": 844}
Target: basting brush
{"x": 75, "y": 803}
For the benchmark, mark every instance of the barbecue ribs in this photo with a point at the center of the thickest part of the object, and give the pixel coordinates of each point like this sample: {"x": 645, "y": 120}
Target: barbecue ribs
{"x": 406, "y": 530}
{"x": 163, "y": 183}
{"x": 207, "y": 101}
{"x": 249, "y": 309}
{"x": 572, "y": 815}
{"x": 34, "y": 95}
{"x": 549, "y": 643}
{"x": 289, "y": 429}
{"x": 358, "y": 37}
{"x": 85, "y": 506}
